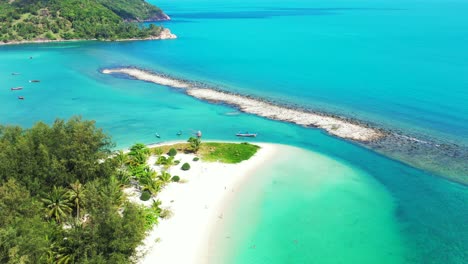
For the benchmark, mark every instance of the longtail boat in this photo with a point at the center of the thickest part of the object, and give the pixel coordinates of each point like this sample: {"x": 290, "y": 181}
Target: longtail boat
{"x": 16, "y": 88}
{"x": 246, "y": 134}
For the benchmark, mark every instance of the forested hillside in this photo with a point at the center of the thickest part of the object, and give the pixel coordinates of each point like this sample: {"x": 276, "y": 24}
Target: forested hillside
{"x": 26, "y": 20}
{"x": 137, "y": 10}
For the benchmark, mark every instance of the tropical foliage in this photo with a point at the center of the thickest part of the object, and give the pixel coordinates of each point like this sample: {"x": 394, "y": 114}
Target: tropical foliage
{"x": 134, "y": 9}
{"x": 61, "y": 200}
{"x": 228, "y": 152}
{"x": 172, "y": 152}
{"x": 23, "y": 20}
{"x": 195, "y": 143}
{"x": 214, "y": 151}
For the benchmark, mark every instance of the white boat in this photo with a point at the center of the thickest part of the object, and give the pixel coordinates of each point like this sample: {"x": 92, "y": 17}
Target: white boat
{"x": 246, "y": 134}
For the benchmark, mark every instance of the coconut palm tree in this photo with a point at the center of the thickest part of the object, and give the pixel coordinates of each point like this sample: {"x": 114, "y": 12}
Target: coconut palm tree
{"x": 121, "y": 158}
{"x": 165, "y": 177}
{"x": 139, "y": 147}
{"x": 138, "y": 154}
{"x": 113, "y": 191}
{"x": 57, "y": 204}
{"x": 149, "y": 181}
{"x": 123, "y": 176}
{"x": 64, "y": 258}
{"x": 76, "y": 196}
{"x": 158, "y": 151}
{"x": 194, "y": 144}
{"x": 138, "y": 158}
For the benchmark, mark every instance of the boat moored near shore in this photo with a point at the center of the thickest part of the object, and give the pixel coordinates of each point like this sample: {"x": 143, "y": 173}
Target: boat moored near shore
{"x": 246, "y": 134}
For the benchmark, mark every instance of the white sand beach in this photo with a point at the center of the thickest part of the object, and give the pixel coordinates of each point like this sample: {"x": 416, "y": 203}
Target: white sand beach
{"x": 197, "y": 205}
{"x": 337, "y": 126}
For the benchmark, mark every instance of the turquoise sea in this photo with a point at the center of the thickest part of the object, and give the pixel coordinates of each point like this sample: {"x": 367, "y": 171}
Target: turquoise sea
{"x": 402, "y": 65}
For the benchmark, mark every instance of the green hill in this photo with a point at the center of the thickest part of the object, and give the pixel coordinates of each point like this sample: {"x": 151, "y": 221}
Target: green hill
{"x": 134, "y": 10}
{"x": 28, "y": 20}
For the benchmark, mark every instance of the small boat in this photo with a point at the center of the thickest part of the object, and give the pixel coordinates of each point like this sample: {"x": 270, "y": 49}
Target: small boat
{"x": 199, "y": 134}
{"x": 157, "y": 135}
{"x": 20, "y": 98}
{"x": 246, "y": 134}
{"x": 34, "y": 81}
{"x": 15, "y": 73}
{"x": 179, "y": 133}
{"x": 16, "y": 88}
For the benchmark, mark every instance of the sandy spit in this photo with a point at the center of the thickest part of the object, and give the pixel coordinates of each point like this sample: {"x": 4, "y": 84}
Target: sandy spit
{"x": 340, "y": 127}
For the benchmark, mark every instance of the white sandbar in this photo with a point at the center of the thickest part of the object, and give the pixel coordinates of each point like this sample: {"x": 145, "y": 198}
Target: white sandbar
{"x": 334, "y": 125}
{"x": 197, "y": 206}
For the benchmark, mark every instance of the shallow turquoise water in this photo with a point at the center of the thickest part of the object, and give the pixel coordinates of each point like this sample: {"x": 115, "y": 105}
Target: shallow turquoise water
{"x": 398, "y": 63}
{"x": 336, "y": 214}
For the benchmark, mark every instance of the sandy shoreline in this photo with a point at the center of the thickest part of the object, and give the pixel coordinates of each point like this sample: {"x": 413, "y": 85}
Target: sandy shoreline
{"x": 165, "y": 34}
{"x": 337, "y": 126}
{"x": 197, "y": 206}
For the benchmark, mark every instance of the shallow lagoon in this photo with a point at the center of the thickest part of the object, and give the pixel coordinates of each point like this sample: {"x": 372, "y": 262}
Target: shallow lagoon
{"x": 423, "y": 217}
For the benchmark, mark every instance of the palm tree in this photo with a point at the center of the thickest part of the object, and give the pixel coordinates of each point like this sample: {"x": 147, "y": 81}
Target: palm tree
{"x": 113, "y": 191}
{"x": 138, "y": 158}
{"x": 150, "y": 182}
{"x": 194, "y": 143}
{"x": 64, "y": 258}
{"x": 156, "y": 206}
{"x": 139, "y": 147}
{"x": 57, "y": 204}
{"x": 138, "y": 154}
{"x": 123, "y": 176}
{"x": 165, "y": 177}
{"x": 158, "y": 151}
{"x": 169, "y": 162}
{"x": 76, "y": 196}
{"x": 121, "y": 158}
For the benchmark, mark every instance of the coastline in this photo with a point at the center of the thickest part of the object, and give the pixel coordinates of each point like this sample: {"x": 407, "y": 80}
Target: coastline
{"x": 337, "y": 126}
{"x": 165, "y": 34}
{"x": 444, "y": 159}
{"x": 197, "y": 206}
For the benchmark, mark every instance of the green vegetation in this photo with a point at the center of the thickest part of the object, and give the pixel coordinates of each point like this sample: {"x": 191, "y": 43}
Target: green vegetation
{"x": 185, "y": 167}
{"x": 27, "y": 20}
{"x": 194, "y": 143}
{"x": 172, "y": 152}
{"x": 61, "y": 200}
{"x": 228, "y": 152}
{"x": 152, "y": 214}
{"x": 196, "y": 159}
{"x": 175, "y": 179}
{"x": 158, "y": 151}
{"x": 145, "y": 195}
{"x": 217, "y": 151}
{"x": 135, "y": 10}
{"x": 167, "y": 162}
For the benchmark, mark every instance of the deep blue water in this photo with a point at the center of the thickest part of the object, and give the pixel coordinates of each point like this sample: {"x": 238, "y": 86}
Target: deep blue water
{"x": 399, "y": 64}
